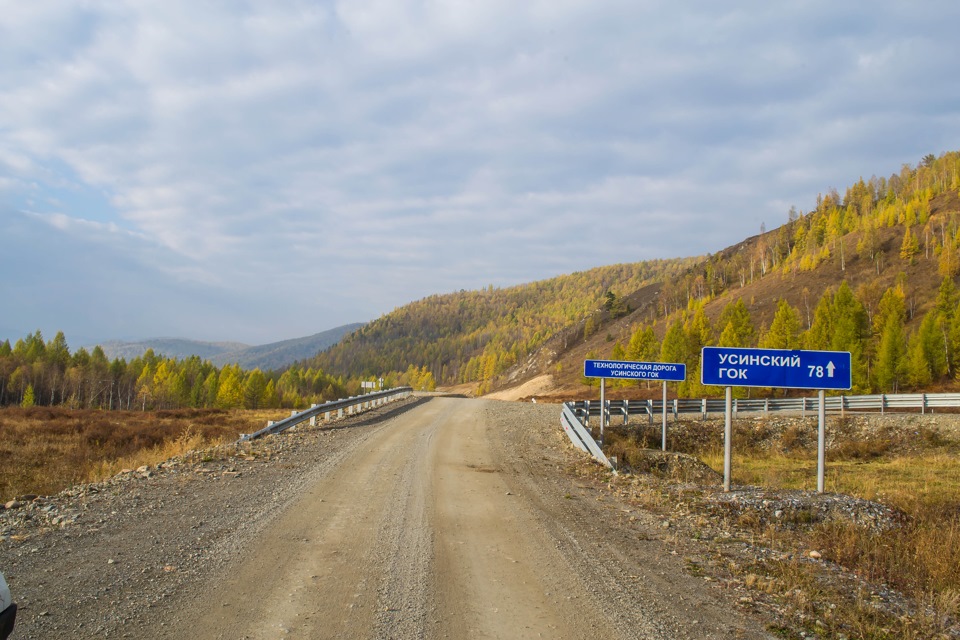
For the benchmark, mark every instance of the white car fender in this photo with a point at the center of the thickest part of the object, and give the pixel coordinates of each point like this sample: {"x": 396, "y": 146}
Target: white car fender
{"x": 5, "y": 598}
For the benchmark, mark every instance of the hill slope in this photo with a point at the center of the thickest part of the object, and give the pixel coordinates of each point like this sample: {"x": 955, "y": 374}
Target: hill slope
{"x": 472, "y": 336}
{"x": 885, "y": 248}
{"x": 888, "y": 241}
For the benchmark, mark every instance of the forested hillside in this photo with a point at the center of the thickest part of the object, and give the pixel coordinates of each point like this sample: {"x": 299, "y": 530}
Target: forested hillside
{"x": 473, "y": 336}
{"x": 873, "y": 272}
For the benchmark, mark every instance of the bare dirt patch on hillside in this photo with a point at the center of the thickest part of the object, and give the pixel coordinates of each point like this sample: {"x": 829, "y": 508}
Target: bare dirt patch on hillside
{"x": 539, "y": 386}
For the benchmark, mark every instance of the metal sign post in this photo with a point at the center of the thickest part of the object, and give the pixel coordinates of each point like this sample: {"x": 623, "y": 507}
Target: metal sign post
{"x": 821, "y": 442}
{"x": 776, "y": 368}
{"x": 603, "y": 411}
{"x": 663, "y": 429}
{"x": 727, "y": 438}
{"x": 630, "y": 370}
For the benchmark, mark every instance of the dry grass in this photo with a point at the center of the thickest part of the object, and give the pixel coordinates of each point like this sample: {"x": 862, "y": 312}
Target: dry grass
{"x": 915, "y": 471}
{"x": 189, "y": 440}
{"x": 45, "y": 450}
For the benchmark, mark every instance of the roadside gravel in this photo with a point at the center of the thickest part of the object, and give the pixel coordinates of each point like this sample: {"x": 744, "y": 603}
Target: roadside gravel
{"x": 126, "y": 557}
{"x": 118, "y": 558}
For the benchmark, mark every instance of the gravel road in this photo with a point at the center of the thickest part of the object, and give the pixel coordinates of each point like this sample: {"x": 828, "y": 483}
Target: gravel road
{"x": 437, "y": 518}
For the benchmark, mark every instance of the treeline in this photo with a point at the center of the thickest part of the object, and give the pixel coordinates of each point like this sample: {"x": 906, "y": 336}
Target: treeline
{"x": 867, "y": 323}
{"x": 841, "y": 228}
{"x": 472, "y": 336}
{"x": 38, "y": 372}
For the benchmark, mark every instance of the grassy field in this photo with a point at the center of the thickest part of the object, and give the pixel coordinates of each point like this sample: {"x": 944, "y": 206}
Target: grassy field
{"x": 909, "y": 464}
{"x": 44, "y": 450}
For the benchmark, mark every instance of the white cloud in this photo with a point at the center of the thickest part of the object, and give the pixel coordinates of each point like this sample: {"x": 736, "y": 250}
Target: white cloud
{"x": 374, "y": 152}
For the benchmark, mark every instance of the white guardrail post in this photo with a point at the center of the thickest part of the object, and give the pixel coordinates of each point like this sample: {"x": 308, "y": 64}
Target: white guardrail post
{"x": 580, "y": 437}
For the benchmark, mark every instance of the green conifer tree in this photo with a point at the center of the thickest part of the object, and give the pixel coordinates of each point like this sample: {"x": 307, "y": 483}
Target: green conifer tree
{"x": 738, "y": 329}
{"x": 818, "y": 336}
{"x": 889, "y": 366}
{"x": 918, "y": 373}
{"x": 784, "y": 331}
{"x": 850, "y": 332}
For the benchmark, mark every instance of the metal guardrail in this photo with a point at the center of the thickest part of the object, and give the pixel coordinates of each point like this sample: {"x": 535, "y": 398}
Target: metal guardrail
{"x": 348, "y": 405}
{"x": 923, "y": 402}
{"x": 580, "y": 437}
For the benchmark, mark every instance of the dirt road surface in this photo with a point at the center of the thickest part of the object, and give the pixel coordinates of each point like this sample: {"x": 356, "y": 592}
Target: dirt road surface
{"x": 452, "y": 519}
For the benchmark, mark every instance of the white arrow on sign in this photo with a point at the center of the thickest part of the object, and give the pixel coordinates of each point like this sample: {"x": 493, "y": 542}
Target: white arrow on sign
{"x": 830, "y": 368}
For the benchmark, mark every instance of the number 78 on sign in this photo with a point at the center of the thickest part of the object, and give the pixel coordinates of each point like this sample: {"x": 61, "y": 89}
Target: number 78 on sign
{"x": 779, "y": 368}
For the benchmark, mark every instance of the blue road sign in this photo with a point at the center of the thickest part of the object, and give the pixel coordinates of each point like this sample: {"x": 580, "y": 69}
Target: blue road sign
{"x": 667, "y": 371}
{"x": 783, "y": 368}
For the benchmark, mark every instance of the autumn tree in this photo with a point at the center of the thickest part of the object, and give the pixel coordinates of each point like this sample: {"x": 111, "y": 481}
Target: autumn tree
{"x": 28, "y": 399}
{"x": 643, "y": 345}
{"x": 230, "y": 390}
{"x": 254, "y": 389}
{"x": 910, "y": 246}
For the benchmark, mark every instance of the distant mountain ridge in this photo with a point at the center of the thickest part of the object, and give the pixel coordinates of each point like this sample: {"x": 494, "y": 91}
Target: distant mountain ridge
{"x": 275, "y": 355}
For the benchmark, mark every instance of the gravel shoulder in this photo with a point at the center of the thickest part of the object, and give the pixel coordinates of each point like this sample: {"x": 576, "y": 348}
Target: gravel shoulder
{"x": 440, "y": 517}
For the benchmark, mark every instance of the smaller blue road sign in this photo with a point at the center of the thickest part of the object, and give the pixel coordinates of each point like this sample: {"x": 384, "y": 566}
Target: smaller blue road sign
{"x": 781, "y": 368}
{"x": 667, "y": 371}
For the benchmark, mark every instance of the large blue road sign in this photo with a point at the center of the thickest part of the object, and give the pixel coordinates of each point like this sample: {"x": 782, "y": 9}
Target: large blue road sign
{"x": 667, "y": 371}
{"x": 786, "y": 368}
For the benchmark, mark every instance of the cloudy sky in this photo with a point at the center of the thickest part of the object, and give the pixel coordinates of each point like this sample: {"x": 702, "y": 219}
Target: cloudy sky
{"x": 257, "y": 171}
